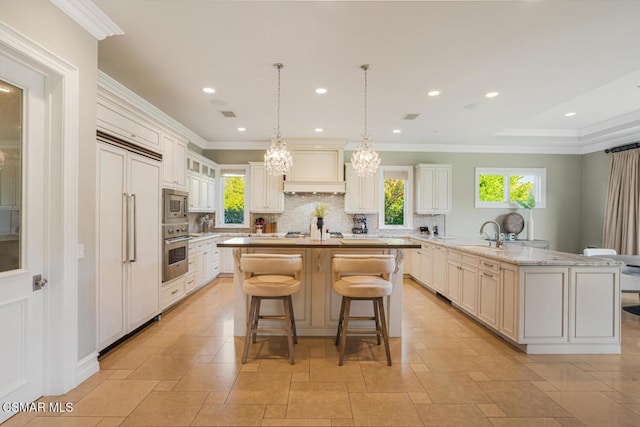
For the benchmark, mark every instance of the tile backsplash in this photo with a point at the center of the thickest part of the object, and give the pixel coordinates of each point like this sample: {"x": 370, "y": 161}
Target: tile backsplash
{"x": 297, "y": 217}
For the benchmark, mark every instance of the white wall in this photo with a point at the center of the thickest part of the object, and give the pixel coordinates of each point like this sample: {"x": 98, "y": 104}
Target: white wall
{"x": 45, "y": 24}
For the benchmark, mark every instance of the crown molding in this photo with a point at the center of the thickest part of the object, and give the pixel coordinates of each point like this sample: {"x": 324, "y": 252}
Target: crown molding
{"x": 89, "y": 17}
{"x": 110, "y": 85}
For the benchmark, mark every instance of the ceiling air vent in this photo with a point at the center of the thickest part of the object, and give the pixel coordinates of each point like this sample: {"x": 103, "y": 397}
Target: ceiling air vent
{"x": 410, "y": 116}
{"x": 228, "y": 114}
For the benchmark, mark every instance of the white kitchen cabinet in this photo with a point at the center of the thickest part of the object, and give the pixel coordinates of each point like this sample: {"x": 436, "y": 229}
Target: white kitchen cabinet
{"x": 426, "y": 260}
{"x": 489, "y": 292}
{"x": 361, "y": 196}
{"x": 201, "y": 183}
{"x": 194, "y": 192}
{"x": 128, "y": 241}
{"x": 204, "y": 261}
{"x": 508, "y": 303}
{"x": 173, "y": 291}
{"x": 544, "y": 312}
{"x": 462, "y": 279}
{"x": 267, "y": 194}
{"x": 226, "y": 261}
{"x": 593, "y": 295}
{"x": 416, "y": 264}
{"x": 174, "y": 160}
{"x": 433, "y": 189}
{"x": 123, "y": 121}
{"x": 440, "y": 269}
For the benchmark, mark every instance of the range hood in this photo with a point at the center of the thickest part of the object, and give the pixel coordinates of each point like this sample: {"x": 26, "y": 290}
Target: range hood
{"x": 316, "y": 170}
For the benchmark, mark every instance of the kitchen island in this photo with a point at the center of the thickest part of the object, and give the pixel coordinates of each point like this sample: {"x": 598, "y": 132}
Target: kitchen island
{"x": 316, "y": 306}
{"x": 541, "y": 301}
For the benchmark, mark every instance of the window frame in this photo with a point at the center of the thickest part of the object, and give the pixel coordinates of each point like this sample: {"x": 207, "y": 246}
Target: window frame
{"x": 539, "y": 187}
{"x": 220, "y": 170}
{"x": 408, "y": 198}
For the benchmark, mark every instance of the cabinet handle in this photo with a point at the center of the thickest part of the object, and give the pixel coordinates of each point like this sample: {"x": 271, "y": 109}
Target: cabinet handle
{"x": 488, "y": 275}
{"x": 174, "y": 292}
{"x": 488, "y": 265}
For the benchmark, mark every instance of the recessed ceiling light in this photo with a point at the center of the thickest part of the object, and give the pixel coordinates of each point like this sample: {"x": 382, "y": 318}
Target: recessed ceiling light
{"x": 5, "y": 89}
{"x": 492, "y": 94}
{"x": 572, "y": 113}
{"x": 241, "y": 129}
{"x": 433, "y": 93}
{"x": 319, "y": 129}
{"x": 208, "y": 90}
{"x": 396, "y": 131}
{"x": 321, "y": 90}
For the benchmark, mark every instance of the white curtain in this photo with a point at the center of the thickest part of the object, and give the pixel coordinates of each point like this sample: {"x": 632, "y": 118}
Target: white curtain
{"x": 622, "y": 213}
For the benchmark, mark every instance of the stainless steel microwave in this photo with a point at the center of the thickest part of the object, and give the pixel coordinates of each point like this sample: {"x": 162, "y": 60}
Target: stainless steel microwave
{"x": 176, "y": 206}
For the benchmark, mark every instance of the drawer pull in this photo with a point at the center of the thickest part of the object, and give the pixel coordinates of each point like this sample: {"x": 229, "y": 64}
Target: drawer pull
{"x": 175, "y": 291}
{"x": 487, "y": 265}
{"x": 488, "y": 275}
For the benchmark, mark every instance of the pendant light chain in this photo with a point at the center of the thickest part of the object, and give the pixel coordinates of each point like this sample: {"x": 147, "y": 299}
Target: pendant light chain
{"x": 365, "y": 68}
{"x": 279, "y": 67}
{"x": 278, "y": 159}
{"x": 365, "y": 160}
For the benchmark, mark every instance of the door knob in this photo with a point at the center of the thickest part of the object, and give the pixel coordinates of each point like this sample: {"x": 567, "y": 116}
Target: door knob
{"x": 38, "y": 282}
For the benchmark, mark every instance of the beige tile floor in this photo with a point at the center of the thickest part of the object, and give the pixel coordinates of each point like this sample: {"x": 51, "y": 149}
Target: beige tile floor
{"x": 448, "y": 371}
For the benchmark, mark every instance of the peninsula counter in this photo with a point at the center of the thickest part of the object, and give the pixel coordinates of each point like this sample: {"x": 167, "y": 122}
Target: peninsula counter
{"x": 316, "y": 306}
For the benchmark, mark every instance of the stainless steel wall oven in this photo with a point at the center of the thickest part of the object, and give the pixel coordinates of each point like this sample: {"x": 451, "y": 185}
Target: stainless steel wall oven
{"x": 175, "y": 231}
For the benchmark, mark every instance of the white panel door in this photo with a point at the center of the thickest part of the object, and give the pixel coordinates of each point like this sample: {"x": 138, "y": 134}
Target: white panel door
{"x": 22, "y": 102}
{"x": 111, "y": 266}
{"x": 144, "y": 272}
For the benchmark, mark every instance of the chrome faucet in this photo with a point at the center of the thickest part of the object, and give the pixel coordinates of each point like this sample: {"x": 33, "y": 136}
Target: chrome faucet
{"x": 499, "y": 241}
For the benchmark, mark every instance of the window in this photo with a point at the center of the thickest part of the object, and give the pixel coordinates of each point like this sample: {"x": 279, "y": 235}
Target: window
{"x": 396, "y": 209}
{"x": 232, "y": 212}
{"x": 503, "y": 187}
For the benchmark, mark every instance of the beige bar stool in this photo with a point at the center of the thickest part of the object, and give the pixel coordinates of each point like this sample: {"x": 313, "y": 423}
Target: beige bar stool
{"x": 270, "y": 276}
{"x": 362, "y": 277}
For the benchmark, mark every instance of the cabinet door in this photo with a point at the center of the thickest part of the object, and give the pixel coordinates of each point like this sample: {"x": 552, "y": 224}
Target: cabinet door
{"x": 179, "y": 163}
{"x": 425, "y": 188}
{"x": 509, "y": 301}
{"x": 194, "y": 193}
{"x": 416, "y": 264}
{"x": 544, "y": 309}
{"x": 361, "y": 194}
{"x": 454, "y": 276}
{"x": 145, "y": 275}
{"x": 212, "y": 193}
{"x": 167, "y": 162}
{"x": 442, "y": 187}
{"x": 426, "y": 258}
{"x": 110, "y": 209}
{"x": 488, "y": 301}
{"x": 469, "y": 289}
{"x": 203, "y": 199}
{"x": 440, "y": 269}
{"x": 274, "y": 196}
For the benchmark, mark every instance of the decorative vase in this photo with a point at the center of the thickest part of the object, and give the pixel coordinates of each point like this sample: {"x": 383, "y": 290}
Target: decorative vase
{"x": 320, "y": 224}
{"x": 530, "y": 225}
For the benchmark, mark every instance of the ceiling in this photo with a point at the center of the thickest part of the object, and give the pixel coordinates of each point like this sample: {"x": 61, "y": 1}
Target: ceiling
{"x": 545, "y": 58}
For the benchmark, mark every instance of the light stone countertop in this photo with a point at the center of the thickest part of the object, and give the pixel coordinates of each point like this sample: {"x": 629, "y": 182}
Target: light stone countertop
{"x": 515, "y": 254}
{"x": 518, "y": 254}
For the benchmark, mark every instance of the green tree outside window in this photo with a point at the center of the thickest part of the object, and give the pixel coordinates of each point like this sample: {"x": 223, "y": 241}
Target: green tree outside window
{"x": 233, "y": 199}
{"x": 394, "y": 201}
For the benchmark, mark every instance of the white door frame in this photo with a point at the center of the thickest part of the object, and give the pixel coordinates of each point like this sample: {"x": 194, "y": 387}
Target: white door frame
{"x": 60, "y": 327}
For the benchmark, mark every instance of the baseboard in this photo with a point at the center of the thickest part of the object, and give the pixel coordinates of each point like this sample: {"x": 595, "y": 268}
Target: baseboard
{"x": 87, "y": 366}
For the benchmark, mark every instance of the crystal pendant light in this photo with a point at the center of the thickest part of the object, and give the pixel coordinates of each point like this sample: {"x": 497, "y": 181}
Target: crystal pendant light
{"x": 365, "y": 159}
{"x": 278, "y": 159}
